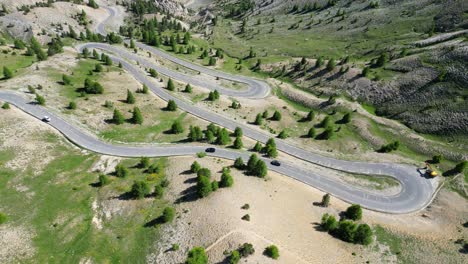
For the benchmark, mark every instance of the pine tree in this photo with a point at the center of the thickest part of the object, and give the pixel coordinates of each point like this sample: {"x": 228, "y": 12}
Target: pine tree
{"x": 226, "y": 180}
{"x": 145, "y": 89}
{"x": 223, "y": 137}
{"x": 188, "y": 88}
{"x": 331, "y": 65}
{"x": 137, "y": 117}
{"x": 176, "y": 127}
{"x": 310, "y": 116}
{"x": 170, "y": 85}
{"x": 276, "y": 116}
{"x": 258, "y": 147}
{"x": 260, "y": 169}
{"x": 252, "y": 163}
{"x": 346, "y": 118}
{"x": 238, "y": 132}
{"x": 171, "y": 105}
{"x": 311, "y": 133}
{"x": 258, "y": 120}
{"x": 238, "y": 143}
{"x": 66, "y": 79}
{"x": 118, "y": 118}
{"x": 7, "y": 73}
{"x": 40, "y": 100}
{"x": 239, "y": 164}
{"x": 130, "y": 97}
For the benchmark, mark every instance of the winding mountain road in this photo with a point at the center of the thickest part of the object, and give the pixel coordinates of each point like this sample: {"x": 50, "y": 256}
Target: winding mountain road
{"x": 416, "y": 191}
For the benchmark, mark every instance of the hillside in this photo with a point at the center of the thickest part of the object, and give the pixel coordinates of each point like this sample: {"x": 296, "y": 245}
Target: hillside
{"x": 422, "y": 83}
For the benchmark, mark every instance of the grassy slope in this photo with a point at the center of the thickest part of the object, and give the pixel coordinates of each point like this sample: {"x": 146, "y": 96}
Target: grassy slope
{"x": 60, "y": 212}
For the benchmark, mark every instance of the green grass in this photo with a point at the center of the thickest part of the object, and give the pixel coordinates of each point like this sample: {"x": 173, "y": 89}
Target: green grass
{"x": 369, "y": 108}
{"x": 376, "y": 182}
{"x": 148, "y": 133}
{"x": 84, "y": 69}
{"x": 60, "y": 212}
{"x": 388, "y": 238}
{"x": 15, "y": 62}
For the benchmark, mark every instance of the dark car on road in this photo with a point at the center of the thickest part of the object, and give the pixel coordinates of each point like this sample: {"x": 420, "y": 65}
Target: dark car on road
{"x": 275, "y": 163}
{"x": 210, "y": 150}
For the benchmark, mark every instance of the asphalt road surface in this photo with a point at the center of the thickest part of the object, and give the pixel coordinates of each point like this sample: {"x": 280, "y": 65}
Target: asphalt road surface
{"x": 416, "y": 191}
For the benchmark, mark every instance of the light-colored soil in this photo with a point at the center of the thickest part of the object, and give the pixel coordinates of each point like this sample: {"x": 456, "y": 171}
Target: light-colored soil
{"x": 15, "y": 243}
{"x": 281, "y": 213}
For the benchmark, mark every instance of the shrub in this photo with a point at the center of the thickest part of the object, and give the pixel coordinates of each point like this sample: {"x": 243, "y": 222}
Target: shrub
{"x": 226, "y": 180}
{"x": 195, "y": 167}
{"x": 117, "y": 117}
{"x": 144, "y": 163}
{"x": 272, "y": 252}
{"x": 331, "y": 65}
{"x": 437, "y": 159}
{"x": 325, "y": 200}
{"x": 310, "y": 116}
{"x": 130, "y": 97}
{"x": 7, "y": 73}
{"x": 176, "y": 127}
{"x": 66, "y": 79}
{"x": 238, "y": 143}
{"x": 98, "y": 67}
{"x": 346, "y": 118}
{"x": 213, "y": 96}
{"x": 326, "y": 122}
{"x": 363, "y": 235}
{"x": 197, "y": 255}
{"x": 140, "y": 189}
{"x": 204, "y": 172}
{"x": 460, "y": 167}
{"x": 158, "y": 191}
{"x": 346, "y": 230}
{"x": 276, "y": 116}
{"x": 238, "y": 132}
{"x": 246, "y": 249}
{"x": 171, "y": 105}
{"x": 168, "y": 215}
{"x": 137, "y": 117}
{"x": 103, "y": 180}
{"x": 175, "y": 247}
{"x": 214, "y": 186}
{"x": 234, "y": 258}
{"x": 390, "y": 147}
{"x": 311, "y": 133}
{"x": 246, "y": 217}
{"x": 328, "y": 223}
{"x": 153, "y": 168}
{"x": 283, "y": 134}
{"x": 252, "y": 163}
{"x": 3, "y": 218}
{"x": 188, "y": 88}
{"x": 354, "y": 212}
{"x": 203, "y": 186}
{"x": 72, "y": 105}
{"x": 327, "y": 133}
{"x": 239, "y": 164}
{"x": 121, "y": 171}
{"x": 153, "y": 73}
{"x": 260, "y": 169}
{"x": 6, "y": 106}
{"x": 201, "y": 154}
{"x": 40, "y": 100}
{"x": 258, "y": 147}
{"x": 170, "y": 85}
{"x": 258, "y": 120}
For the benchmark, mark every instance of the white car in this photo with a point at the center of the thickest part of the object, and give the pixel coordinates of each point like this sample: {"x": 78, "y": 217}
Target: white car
{"x": 46, "y": 119}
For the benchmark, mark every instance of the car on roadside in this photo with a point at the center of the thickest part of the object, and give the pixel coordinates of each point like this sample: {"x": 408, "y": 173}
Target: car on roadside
{"x": 46, "y": 119}
{"x": 275, "y": 163}
{"x": 210, "y": 150}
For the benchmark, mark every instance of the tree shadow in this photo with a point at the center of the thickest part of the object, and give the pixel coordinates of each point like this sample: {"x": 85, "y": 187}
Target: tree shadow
{"x": 155, "y": 222}
{"x": 188, "y": 195}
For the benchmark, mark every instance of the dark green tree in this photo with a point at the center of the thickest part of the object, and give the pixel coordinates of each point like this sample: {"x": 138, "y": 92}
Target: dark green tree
{"x": 252, "y": 163}
{"x": 346, "y": 118}
{"x": 118, "y": 118}
{"x": 238, "y": 143}
{"x": 176, "y": 127}
{"x": 283, "y": 134}
{"x": 238, "y": 132}
{"x": 121, "y": 171}
{"x": 223, "y": 137}
{"x": 195, "y": 167}
{"x": 328, "y": 223}
{"x": 145, "y": 89}
{"x": 354, "y": 212}
{"x": 171, "y": 105}
{"x": 144, "y": 163}
{"x": 188, "y": 88}
{"x": 40, "y": 99}
{"x": 103, "y": 180}
{"x": 7, "y": 73}
{"x": 197, "y": 255}
{"x": 258, "y": 147}
{"x": 310, "y": 116}
{"x": 239, "y": 164}
{"x": 258, "y": 120}
{"x": 331, "y": 65}
{"x": 203, "y": 186}
{"x": 168, "y": 215}
{"x": 72, "y": 105}
{"x": 325, "y": 200}
{"x": 363, "y": 234}
{"x": 130, "y": 97}
{"x": 226, "y": 180}
{"x": 346, "y": 230}
{"x": 170, "y": 85}
{"x": 272, "y": 252}
{"x": 276, "y": 116}
{"x": 261, "y": 169}
{"x": 311, "y": 133}
{"x": 137, "y": 117}
{"x": 140, "y": 189}
{"x": 66, "y": 79}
